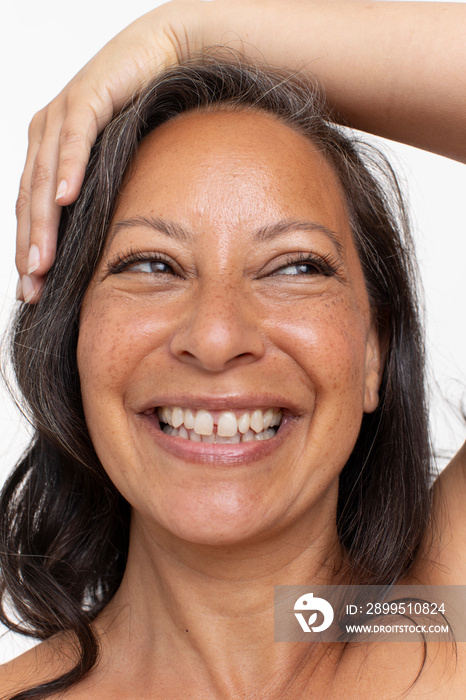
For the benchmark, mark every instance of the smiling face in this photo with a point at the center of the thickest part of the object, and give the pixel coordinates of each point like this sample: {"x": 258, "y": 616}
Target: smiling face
{"x": 230, "y": 285}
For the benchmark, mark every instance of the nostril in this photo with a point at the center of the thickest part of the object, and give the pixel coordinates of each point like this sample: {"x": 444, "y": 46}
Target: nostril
{"x": 215, "y": 342}
{"x": 187, "y": 354}
{"x": 215, "y": 361}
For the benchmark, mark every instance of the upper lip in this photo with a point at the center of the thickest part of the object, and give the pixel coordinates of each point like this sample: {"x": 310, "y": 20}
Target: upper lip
{"x": 219, "y": 403}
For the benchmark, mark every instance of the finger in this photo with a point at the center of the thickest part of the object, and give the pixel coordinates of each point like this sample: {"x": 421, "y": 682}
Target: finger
{"x": 44, "y": 211}
{"x": 19, "y": 290}
{"x": 77, "y": 136}
{"x": 37, "y": 213}
{"x": 30, "y": 288}
{"x": 23, "y": 202}
{"x": 59, "y": 168}
{"x": 23, "y": 218}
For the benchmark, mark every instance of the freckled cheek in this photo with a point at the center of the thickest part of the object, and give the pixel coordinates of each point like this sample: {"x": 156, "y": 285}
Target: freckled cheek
{"x": 113, "y": 342}
{"x": 327, "y": 343}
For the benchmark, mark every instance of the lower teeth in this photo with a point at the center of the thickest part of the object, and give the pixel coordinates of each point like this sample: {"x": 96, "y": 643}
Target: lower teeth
{"x": 218, "y": 439}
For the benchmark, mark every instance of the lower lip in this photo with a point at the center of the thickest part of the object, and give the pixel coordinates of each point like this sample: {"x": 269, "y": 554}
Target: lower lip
{"x": 236, "y": 454}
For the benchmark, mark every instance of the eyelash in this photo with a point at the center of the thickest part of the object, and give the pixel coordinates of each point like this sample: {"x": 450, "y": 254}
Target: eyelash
{"x": 121, "y": 262}
{"x": 325, "y": 265}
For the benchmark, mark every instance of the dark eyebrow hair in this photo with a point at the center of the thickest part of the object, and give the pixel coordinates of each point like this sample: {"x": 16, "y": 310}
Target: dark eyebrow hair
{"x": 269, "y": 232}
{"x": 265, "y": 233}
{"x": 166, "y": 226}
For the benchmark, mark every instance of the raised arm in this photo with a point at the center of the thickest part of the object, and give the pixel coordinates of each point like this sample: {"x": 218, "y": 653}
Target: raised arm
{"x": 396, "y": 69}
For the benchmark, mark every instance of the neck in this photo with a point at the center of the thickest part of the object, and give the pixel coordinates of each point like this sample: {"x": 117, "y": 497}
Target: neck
{"x": 213, "y": 605}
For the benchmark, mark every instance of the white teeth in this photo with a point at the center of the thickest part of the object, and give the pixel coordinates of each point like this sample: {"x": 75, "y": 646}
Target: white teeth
{"x": 264, "y": 435}
{"x": 203, "y": 423}
{"x": 276, "y": 419}
{"x": 256, "y": 422}
{"x": 268, "y": 415}
{"x": 186, "y": 424}
{"x": 188, "y": 419}
{"x": 243, "y": 423}
{"x": 227, "y": 424}
{"x": 177, "y": 417}
{"x": 228, "y": 439}
{"x": 215, "y": 438}
{"x": 167, "y": 415}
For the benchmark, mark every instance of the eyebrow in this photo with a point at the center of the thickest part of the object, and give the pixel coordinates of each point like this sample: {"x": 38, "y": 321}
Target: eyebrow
{"x": 263, "y": 234}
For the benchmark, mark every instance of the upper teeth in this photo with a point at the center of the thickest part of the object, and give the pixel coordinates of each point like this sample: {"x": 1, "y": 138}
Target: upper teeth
{"x": 228, "y": 424}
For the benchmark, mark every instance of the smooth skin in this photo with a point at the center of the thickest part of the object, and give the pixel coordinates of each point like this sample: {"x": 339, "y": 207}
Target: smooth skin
{"x": 231, "y": 316}
{"x": 391, "y": 68}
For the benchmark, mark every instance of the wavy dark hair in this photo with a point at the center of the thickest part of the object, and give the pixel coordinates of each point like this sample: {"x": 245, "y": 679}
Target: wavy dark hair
{"x": 63, "y": 525}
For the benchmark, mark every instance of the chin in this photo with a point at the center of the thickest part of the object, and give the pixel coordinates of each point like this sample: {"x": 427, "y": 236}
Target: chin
{"x": 226, "y": 520}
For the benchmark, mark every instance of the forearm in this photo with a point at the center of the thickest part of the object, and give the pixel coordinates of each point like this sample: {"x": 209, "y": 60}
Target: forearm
{"x": 396, "y": 69}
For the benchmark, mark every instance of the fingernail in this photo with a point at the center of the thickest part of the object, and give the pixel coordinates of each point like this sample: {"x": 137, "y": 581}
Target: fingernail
{"x": 33, "y": 259}
{"x": 28, "y": 288}
{"x": 61, "y": 191}
{"x": 19, "y": 290}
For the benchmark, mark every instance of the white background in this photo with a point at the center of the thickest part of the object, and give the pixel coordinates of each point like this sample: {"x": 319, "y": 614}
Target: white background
{"x": 43, "y": 44}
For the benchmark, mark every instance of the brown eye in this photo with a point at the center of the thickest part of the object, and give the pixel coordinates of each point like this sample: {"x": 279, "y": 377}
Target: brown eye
{"x": 141, "y": 262}
{"x": 299, "y": 269}
{"x": 151, "y": 267}
{"x": 308, "y": 265}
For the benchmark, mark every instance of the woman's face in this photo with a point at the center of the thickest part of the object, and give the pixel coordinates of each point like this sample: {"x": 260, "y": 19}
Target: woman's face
{"x": 230, "y": 284}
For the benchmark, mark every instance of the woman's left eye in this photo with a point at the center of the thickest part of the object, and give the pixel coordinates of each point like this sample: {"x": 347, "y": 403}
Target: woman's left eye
{"x": 298, "y": 269}
{"x": 307, "y": 266}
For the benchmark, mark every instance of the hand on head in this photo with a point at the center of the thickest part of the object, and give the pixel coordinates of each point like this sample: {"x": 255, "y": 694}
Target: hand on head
{"x": 393, "y": 90}
{"x": 62, "y": 134}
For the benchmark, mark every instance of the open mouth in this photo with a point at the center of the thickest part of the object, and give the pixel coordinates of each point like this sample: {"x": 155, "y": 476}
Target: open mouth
{"x": 221, "y": 427}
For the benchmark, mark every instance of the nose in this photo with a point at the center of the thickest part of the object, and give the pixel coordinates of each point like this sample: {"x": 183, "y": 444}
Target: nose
{"x": 219, "y": 331}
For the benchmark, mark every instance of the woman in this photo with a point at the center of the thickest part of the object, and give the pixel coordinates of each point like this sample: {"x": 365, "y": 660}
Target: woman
{"x": 324, "y": 397}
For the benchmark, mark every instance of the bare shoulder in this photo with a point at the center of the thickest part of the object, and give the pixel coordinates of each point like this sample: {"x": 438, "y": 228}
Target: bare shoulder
{"x": 40, "y": 664}
{"x": 405, "y": 669}
{"x": 442, "y": 560}
{"x": 21, "y": 672}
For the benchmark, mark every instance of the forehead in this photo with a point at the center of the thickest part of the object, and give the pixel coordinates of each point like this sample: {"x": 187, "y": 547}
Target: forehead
{"x": 232, "y": 168}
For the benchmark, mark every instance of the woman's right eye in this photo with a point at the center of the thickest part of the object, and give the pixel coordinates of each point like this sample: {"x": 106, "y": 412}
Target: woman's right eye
{"x": 145, "y": 263}
{"x": 151, "y": 267}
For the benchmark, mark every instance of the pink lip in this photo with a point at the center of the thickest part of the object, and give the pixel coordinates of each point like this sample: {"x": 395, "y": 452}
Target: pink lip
{"x": 237, "y": 454}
